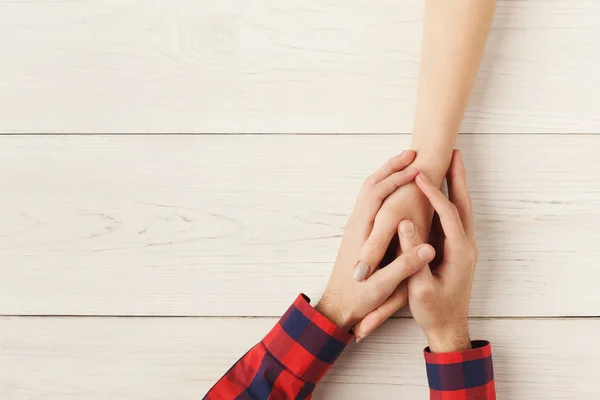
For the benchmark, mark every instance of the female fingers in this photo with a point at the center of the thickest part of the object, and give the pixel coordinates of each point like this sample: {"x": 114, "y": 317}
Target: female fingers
{"x": 373, "y": 250}
{"x": 409, "y": 239}
{"x": 395, "y": 173}
{"x": 377, "y": 188}
{"x": 392, "y": 280}
{"x": 389, "y": 185}
{"x": 383, "y": 229}
{"x": 394, "y": 164}
{"x": 372, "y": 197}
{"x": 375, "y": 318}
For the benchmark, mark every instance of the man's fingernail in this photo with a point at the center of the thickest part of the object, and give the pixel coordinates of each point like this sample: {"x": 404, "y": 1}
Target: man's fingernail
{"x": 425, "y": 253}
{"x": 422, "y": 176}
{"x": 361, "y": 271}
{"x": 407, "y": 229}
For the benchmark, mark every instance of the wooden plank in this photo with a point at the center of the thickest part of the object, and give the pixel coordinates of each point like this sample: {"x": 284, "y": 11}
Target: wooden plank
{"x": 282, "y": 66}
{"x": 158, "y": 358}
{"x": 239, "y": 225}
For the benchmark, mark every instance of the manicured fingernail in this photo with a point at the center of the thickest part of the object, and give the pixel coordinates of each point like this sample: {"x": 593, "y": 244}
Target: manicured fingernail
{"x": 361, "y": 271}
{"x": 425, "y": 253}
{"x": 422, "y": 176}
{"x": 407, "y": 229}
{"x": 361, "y": 338}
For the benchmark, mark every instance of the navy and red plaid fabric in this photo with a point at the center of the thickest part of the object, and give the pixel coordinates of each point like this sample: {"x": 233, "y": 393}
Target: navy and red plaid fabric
{"x": 463, "y": 375}
{"x": 289, "y": 361}
{"x": 303, "y": 345}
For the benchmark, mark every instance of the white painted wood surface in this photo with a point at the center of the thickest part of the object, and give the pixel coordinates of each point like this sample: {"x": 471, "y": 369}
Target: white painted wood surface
{"x": 173, "y": 225}
{"x": 235, "y": 226}
{"x": 159, "y": 358}
{"x": 282, "y": 66}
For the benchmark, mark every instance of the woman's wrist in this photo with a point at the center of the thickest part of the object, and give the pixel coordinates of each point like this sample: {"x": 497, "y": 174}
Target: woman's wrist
{"x": 434, "y": 152}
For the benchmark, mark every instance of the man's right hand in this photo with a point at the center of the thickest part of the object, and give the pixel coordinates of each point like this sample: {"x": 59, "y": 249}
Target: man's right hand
{"x": 439, "y": 300}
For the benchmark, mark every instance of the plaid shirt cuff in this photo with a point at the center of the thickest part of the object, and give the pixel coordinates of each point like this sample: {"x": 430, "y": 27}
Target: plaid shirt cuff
{"x": 462, "y": 375}
{"x": 305, "y": 342}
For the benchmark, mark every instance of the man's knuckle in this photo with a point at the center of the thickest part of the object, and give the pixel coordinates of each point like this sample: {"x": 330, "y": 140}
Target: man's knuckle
{"x": 400, "y": 267}
{"x": 412, "y": 264}
{"x": 424, "y": 291}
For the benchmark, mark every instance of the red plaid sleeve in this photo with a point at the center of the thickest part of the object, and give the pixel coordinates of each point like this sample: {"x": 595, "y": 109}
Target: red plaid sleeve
{"x": 463, "y": 375}
{"x": 288, "y": 362}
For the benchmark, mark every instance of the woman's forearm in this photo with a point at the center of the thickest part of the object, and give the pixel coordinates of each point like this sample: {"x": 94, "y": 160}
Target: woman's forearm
{"x": 454, "y": 37}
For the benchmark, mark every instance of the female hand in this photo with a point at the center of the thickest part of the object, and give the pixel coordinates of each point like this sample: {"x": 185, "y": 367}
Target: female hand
{"x": 348, "y": 298}
{"x": 382, "y": 244}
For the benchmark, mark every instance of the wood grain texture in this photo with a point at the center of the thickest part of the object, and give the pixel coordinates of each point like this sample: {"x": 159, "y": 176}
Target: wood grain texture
{"x": 282, "y": 66}
{"x": 158, "y": 358}
{"x": 239, "y": 225}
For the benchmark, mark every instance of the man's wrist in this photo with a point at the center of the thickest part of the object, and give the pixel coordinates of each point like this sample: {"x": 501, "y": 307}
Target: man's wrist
{"x": 449, "y": 340}
{"x": 326, "y": 307}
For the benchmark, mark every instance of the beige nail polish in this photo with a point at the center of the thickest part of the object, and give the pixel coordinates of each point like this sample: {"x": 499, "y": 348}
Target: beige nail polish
{"x": 361, "y": 338}
{"x": 361, "y": 271}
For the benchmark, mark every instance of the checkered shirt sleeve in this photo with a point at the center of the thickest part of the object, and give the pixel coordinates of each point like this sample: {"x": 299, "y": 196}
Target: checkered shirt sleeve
{"x": 303, "y": 345}
{"x": 463, "y": 375}
{"x": 288, "y": 362}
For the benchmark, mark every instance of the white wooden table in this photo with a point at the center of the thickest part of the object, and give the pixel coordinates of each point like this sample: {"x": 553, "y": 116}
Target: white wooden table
{"x": 139, "y": 263}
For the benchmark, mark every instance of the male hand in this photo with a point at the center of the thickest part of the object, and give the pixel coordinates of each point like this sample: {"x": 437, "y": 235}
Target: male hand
{"x": 348, "y": 297}
{"x": 439, "y": 301}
